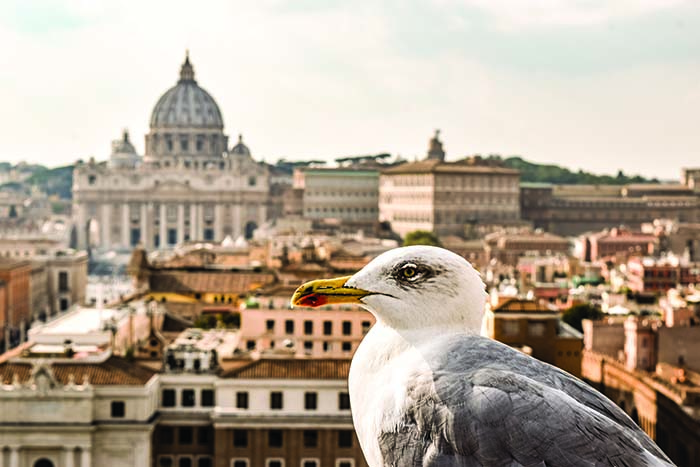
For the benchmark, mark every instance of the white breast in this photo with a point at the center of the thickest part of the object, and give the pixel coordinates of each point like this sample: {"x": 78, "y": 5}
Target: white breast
{"x": 380, "y": 369}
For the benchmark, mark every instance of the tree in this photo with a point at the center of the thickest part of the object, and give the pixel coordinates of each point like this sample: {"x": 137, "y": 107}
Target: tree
{"x": 421, "y": 237}
{"x": 577, "y": 313}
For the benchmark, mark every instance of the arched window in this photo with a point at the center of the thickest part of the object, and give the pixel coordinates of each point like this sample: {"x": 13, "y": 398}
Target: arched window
{"x": 43, "y": 462}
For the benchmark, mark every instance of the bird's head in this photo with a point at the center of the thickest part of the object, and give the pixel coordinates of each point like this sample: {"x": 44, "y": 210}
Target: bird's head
{"x": 408, "y": 288}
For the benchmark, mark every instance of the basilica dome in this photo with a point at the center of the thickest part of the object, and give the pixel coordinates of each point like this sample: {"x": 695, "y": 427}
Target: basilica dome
{"x": 186, "y": 105}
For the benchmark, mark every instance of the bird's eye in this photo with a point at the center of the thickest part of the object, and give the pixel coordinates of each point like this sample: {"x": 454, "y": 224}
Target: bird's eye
{"x": 409, "y": 271}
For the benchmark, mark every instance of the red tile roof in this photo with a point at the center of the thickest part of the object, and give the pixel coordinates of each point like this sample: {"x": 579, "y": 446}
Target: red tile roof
{"x": 209, "y": 281}
{"x": 292, "y": 369}
{"x": 113, "y": 371}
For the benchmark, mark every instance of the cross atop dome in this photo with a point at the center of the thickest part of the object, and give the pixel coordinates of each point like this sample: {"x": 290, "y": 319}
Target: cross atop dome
{"x": 187, "y": 71}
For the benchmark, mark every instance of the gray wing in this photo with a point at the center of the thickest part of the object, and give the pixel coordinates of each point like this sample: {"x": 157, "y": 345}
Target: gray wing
{"x": 483, "y": 408}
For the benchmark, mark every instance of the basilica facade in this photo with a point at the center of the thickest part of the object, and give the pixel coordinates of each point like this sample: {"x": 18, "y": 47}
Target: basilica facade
{"x": 188, "y": 186}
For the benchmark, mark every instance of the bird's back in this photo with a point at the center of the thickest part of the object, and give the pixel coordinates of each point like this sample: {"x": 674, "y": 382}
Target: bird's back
{"x": 483, "y": 403}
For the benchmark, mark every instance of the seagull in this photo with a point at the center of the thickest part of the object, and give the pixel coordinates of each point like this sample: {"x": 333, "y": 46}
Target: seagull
{"x": 426, "y": 389}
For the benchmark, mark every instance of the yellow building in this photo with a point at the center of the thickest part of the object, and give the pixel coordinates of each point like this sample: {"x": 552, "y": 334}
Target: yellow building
{"x": 537, "y": 330}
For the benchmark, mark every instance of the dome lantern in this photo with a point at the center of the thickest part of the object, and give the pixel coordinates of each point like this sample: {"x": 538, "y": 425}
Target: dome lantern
{"x": 187, "y": 70}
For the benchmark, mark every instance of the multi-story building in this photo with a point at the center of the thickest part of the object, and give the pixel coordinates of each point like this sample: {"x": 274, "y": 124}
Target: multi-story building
{"x": 188, "y": 186}
{"x": 17, "y": 275}
{"x": 575, "y": 209}
{"x": 616, "y": 241}
{"x": 75, "y": 406}
{"x": 347, "y": 194}
{"x": 647, "y": 274}
{"x": 649, "y": 371}
{"x": 536, "y": 329}
{"x": 447, "y": 197}
{"x": 508, "y": 246}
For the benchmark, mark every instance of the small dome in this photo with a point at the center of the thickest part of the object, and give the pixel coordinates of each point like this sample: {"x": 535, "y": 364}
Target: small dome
{"x": 186, "y": 104}
{"x": 240, "y": 148}
{"x": 123, "y": 153}
{"x": 123, "y": 145}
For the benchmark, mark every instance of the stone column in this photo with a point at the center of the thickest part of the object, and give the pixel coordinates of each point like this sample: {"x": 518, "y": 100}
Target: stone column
{"x": 237, "y": 229}
{"x": 144, "y": 225}
{"x": 68, "y": 457}
{"x": 14, "y": 456}
{"x": 126, "y": 225}
{"x": 193, "y": 222}
{"x": 85, "y": 457}
{"x": 163, "y": 224}
{"x": 218, "y": 222}
{"x": 81, "y": 227}
{"x": 200, "y": 221}
{"x": 262, "y": 214}
{"x": 180, "y": 223}
{"x": 106, "y": 226}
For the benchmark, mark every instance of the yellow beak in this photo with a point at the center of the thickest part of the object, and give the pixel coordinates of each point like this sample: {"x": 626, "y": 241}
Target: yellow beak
{"x": 327, "y": 292}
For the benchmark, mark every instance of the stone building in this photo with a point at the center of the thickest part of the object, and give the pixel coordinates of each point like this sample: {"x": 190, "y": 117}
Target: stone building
{"x": 575, "y": 209}
{"x": 189, "y": 185}
{"x": 347, "y": 194}
{"x": 56, "y": 410}
{"x": 447, "y": 197}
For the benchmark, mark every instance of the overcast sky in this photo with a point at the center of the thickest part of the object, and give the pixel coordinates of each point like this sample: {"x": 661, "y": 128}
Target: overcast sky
{"x": 595, "y": 84}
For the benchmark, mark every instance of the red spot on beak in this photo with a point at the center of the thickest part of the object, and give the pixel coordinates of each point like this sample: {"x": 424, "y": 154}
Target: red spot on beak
{"x": 313, "y": 300}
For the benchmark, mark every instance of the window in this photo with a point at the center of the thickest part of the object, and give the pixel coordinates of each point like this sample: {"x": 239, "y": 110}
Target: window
{"x": 347, "y": 328}
{"x": 275, "y": 438}
{"x": 188, "y": 397}
{"x": 252, "y": 181}
{"x": 343, "y": 401}
{"x": 117, "y": 409}
{"x": 310, "y": 401}
{"x": 165, "y": 461}
{"x": 208, "y": 234}
{"x": 327, "y": 328}
{"x": 63, "y": 281}
{"x": 184, "y": 435}
{"x": 184, "y": 462}
{"x": 239, "y": 463}
{"x": 168, "y": 398}
{"x": 310, "y": 438}
{"x": 172, "y": 236}
{"x": 250, "y": 345}
{"x": 270, "y": 325}
{"x": 344, "y": 438}
{"x": 63, "y": 304}
{"x": 289, "y": 326}
{"x": 536, "y": 329}
{"x": 365, "y": 327}
{"x": 309, "y": 463}
{"x": 344, "y": 463}
{"x": 204, "y": 435}
{"x": 274, "y": 463}
{"x": 241, "y": 400}
{"x": 276, "y": 400}
{"x": 347, "y": 346}
{"x": 166, "y": 435}
{"x": 326, "y": 346}
{"x": 207, "y": 398}
{"x": 204, "y": 462}
{"x": 240, "y": 438}
{"x": 308, "y": 327}
{"x": 511, "y": 327}
{"x": 92, "y": 179}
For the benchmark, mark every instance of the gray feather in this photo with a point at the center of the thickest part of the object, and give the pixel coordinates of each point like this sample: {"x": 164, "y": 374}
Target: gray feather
{"x": 489, "y": 405}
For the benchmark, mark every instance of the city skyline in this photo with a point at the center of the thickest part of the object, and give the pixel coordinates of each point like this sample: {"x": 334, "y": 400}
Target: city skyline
{"x": 579, "y": 84}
